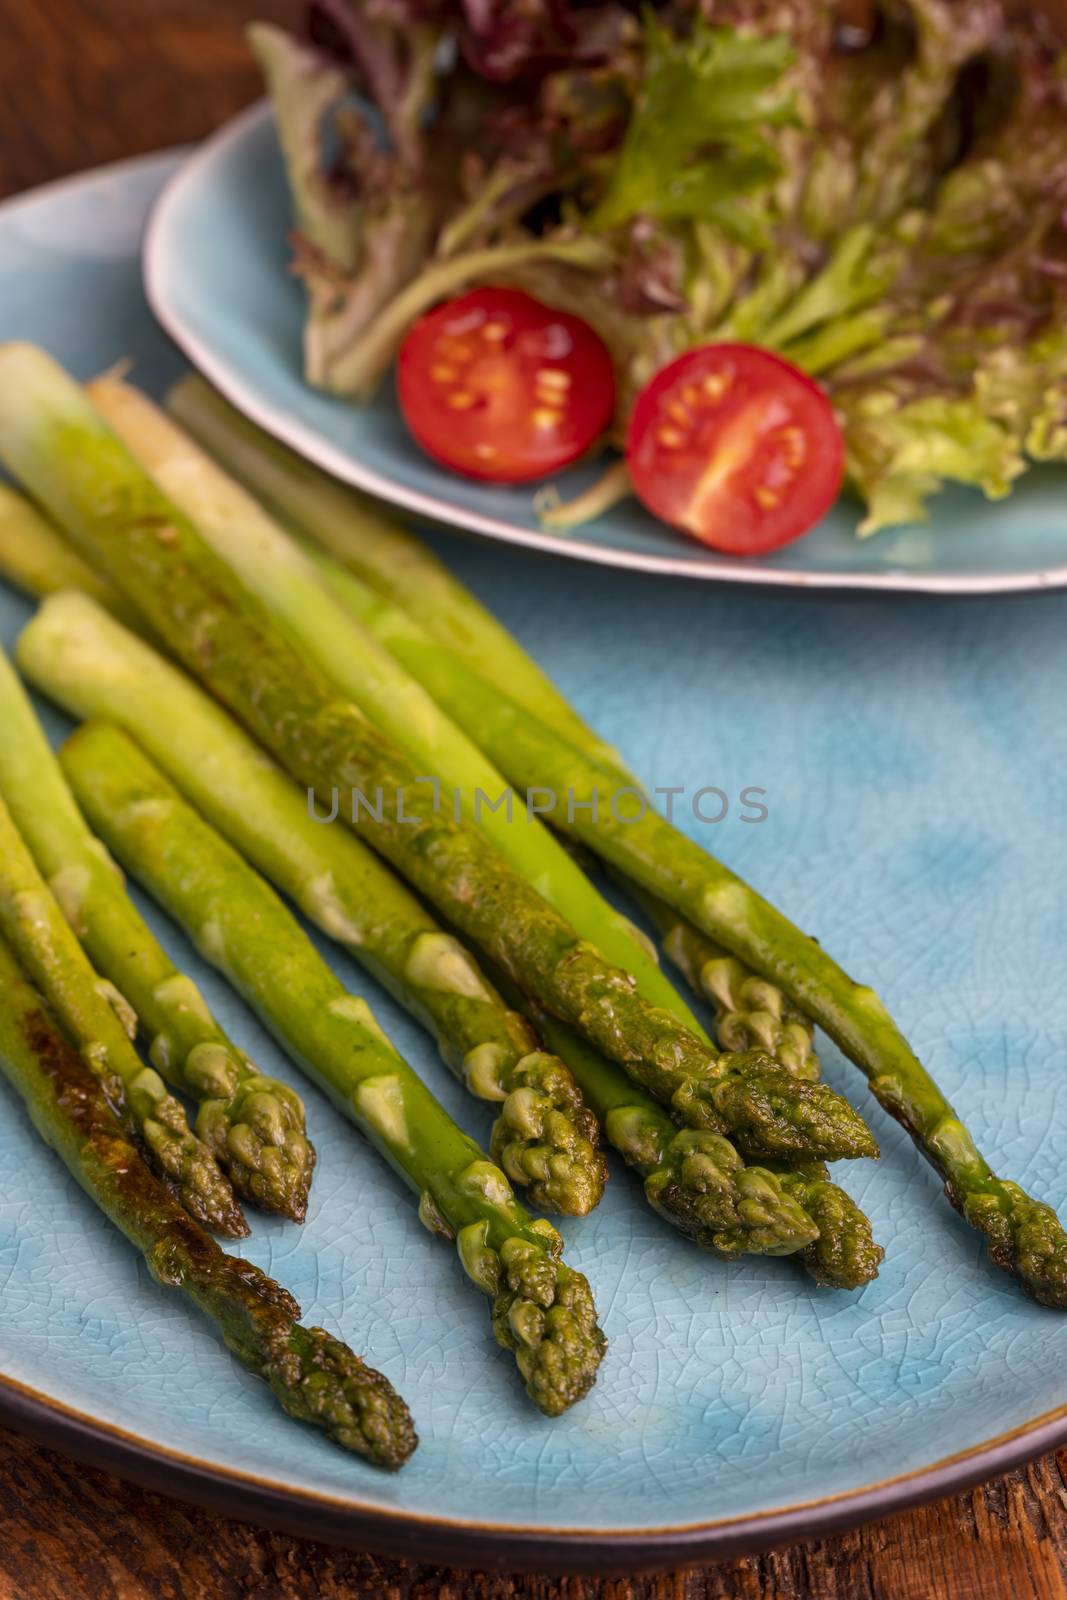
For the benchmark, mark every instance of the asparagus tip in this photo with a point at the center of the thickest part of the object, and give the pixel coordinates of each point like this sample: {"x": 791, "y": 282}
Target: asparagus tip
{"x": 189, "y": 1168}
{"x": 259, "y": 1137}
{"x": 318, "y": 1379}
{"x": 845, "y": 1255}
{"x": 702, "y": 1186}
{"x": 546, "y": 1139}
{"x": 545, "y": 1314}
{"x": 1024, "y": 1235}
{"x": 771, "y": 1113}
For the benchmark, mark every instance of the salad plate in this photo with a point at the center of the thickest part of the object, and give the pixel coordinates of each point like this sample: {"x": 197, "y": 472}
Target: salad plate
{"x": 217, "y": 276}
{"x": 913, "y": 765}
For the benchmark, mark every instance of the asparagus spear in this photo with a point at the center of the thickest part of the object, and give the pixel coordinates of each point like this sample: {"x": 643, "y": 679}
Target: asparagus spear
{"x": 286, "y": 581}
{"x": 543, "y": 1311}
{"x": 33, "y": 924}
{"x": 1023, "y": 1235}
{"x": 845, "y": 1255}
{"x": 750, "y": 1012}
{"x": 362, "y": 536}
{"x": 95, "y": 668}
{"x": 478, "y": 1036}
{"x": 36, "y": 558}
{"x": 253, "y": 1124}
{"x": 60, "y": 446}
{"x": 315, "y": 1377}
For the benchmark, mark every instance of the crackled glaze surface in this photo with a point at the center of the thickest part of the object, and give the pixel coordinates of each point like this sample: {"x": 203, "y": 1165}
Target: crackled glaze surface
{"x": 915, "y": 761}
{"x": 238, "y": 313}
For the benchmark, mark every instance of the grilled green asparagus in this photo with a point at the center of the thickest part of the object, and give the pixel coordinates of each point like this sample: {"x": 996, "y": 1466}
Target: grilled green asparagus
{"x": 385, "y": 928}
{"x": 750, "y": 1013}
{"x": 287, "y": 582}
{"x": 692, "y": 1177}
{"x": 96, "y": 668}
{"x": 543, "y": 1311}
{"x": 364, "y": 538}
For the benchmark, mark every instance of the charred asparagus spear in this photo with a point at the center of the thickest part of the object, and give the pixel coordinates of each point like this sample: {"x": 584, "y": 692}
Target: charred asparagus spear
{"x": 34, "y": 926}
{"x": 692, "y": 1177}
{"x": 253, "y": 1124}
{"x": 545, "y": 1137}
{"x": 314, "y": 1376}
{"x": 543, "y": 1311}
{"x": 750, "y": 1012}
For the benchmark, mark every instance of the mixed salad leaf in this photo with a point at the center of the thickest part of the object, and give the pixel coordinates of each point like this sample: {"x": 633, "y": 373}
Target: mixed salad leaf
{"x": 880, "y": 200}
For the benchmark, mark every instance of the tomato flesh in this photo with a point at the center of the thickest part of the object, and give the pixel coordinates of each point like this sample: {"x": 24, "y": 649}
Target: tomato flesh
{"x": 735, "y": 446}
{"x": 497, "y": 386}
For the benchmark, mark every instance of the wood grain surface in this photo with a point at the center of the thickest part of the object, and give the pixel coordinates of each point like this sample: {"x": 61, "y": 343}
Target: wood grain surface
{"x": 88, "y": 81}
{"x": 70, "y": 1533}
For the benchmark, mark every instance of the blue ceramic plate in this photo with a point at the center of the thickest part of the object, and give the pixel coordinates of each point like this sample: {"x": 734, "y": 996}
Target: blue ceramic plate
{"x": 217, "y": 278}
{"x": 915, "y": 763}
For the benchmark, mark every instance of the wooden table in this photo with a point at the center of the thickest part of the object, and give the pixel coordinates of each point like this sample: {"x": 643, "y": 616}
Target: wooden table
{"x": 88, "y": 81}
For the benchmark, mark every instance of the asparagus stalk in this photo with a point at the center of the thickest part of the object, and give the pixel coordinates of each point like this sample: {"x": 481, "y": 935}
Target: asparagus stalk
{"x": 35, "y": 557}
{"x": 1023, "y": 1235}
{"x": 253, "y": 1124}
{"x": 32, "y": 923}
{"x": 365, "y": 539}
{"x": 543, "y": 1311}
{"x": 95, "y": 668}
{"x": 544, "y": 1136}
{"x": 315, "y": 1377}
{"x": 750, "y": 1013}
{"x": 285, "y": 579}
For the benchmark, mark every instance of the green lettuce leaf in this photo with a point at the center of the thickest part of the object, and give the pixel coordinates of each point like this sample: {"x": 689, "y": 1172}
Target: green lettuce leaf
{"x": 899, "y": 454}
{"x": 697, "y": 143}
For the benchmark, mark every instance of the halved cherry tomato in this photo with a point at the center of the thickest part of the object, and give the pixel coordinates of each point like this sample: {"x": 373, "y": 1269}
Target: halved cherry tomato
{"x": 735, "y": 446}
{"x": 498, "y": 386}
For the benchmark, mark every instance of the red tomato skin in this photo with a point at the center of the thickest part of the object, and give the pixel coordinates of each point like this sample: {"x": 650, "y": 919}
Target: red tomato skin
{"x": 500, "y": 388}
{"x": 736, "y": 447}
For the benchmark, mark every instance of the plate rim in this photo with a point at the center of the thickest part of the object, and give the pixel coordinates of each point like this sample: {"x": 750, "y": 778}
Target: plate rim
{"x": 354, "y": 1524}
{"x": 359, "y": 1524}
{"x": 307, "y": 442}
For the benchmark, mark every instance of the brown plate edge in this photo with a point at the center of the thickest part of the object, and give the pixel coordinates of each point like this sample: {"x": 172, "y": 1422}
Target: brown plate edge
{"x": 559, "y": 1551}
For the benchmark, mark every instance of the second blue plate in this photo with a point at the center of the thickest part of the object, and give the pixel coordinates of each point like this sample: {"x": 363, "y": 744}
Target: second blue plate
{"x": 217, "y": 277}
